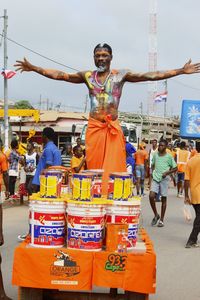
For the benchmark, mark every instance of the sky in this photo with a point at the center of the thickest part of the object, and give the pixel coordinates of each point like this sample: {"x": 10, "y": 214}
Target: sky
{"x": 67, "y": 32}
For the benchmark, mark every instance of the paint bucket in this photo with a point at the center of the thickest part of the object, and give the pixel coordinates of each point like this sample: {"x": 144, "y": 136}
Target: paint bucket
{"x": 120, "y": 186}
{"x": 126, "y": 213}
{"x": 47, "y": 221}
{"x": 50, "y": 183}
{"x": 96, "y": 182}
{"x": 85, "y": 225}
{"x": 82, "y": 186}
{"x": 65, "y": 173}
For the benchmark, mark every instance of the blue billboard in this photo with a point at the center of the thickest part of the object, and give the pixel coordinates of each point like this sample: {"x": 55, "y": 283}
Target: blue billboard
{"x": 190, "y": 119}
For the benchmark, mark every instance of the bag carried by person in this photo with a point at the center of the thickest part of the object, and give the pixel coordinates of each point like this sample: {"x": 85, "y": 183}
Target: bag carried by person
{"x": 187, "y": 212}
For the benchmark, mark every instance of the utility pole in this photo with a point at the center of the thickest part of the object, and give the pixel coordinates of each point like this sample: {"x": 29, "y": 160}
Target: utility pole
{"x": 40, "y": 102}
{"x": 86, "y": 102}
{"x": 165, "y": 111}
{"x": 141, "y": 108}
{"x": 6, "y": 123}
{"x": 47, "y": 103}
{"x": 165, "y": 103}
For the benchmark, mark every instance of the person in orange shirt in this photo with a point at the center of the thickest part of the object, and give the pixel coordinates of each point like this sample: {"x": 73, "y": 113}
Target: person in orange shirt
{"x": 192, "y": 182}
{"x": 4, "y": 173}
{"x": 182, "y": 157}
{"x": 141, "y": 158}
{"x": 192, "y": 150}
{"x": 78, "y": 160}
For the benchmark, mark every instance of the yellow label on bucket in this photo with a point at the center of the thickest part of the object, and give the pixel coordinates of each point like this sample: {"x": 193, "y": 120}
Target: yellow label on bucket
{"x": 51, "y": 186}
{"x": 42, "y": 185}
{"x": 76, "y": 188}
{"x": 85, "y": 189}
{"x": 127, "y": 188}
{"x": 118, "y": 188}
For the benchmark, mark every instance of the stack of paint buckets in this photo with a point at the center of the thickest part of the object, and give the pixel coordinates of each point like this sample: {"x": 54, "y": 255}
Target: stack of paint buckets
{"x": 47, "y": 212}
{"x": 86, "y": 212}
{"x": 125, "y": 209}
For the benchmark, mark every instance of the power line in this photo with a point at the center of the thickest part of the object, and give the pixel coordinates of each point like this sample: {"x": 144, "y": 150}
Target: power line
{"x": 71, "y": 68}
{"x": 37, "y": 53}
{"x": 186, "y": 85}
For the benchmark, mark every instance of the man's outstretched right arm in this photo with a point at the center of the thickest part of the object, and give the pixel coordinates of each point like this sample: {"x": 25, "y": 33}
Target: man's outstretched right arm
{"x": 26, "y": 66}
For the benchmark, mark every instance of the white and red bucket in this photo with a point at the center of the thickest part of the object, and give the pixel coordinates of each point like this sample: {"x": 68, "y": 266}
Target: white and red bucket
{"x": 85, "y": 226}
{"x": 125, "y": 213}
{"x": 47, "y": 221}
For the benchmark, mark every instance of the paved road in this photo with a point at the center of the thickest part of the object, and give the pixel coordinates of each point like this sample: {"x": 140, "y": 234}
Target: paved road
{"x": 178, "y": 269}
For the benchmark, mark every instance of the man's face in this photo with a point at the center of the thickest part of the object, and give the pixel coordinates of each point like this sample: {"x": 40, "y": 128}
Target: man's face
{"x": 162, "y": 147}
{"x": 29, "y": 147}
{"x": 154, "y": 144}
{"x": 78, "y": 141}
{"x": 79, "y": 152}
{"x": 102, "y": 59}
{"x": 69, "y": 149}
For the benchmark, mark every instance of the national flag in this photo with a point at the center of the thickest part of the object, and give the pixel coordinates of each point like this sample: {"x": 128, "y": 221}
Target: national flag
{"x": 160, "y": 97}
{"x": 8, "y": 73}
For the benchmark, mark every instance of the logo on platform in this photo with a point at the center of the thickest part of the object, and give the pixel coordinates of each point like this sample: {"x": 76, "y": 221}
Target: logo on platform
{"x": 116, "y": 262}
{"x": 64, "y": 265}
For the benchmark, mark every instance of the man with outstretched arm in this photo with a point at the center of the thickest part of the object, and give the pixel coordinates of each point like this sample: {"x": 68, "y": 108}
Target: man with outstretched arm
{"x": 105, "y": 147}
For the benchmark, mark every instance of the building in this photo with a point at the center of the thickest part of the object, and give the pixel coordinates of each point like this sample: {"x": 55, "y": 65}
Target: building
{"x": 67, "y": 126}
{"x": 154, "y": 127}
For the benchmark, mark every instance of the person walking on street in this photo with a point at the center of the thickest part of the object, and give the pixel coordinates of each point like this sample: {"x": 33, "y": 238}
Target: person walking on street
{"x": 141, "y": 159}
{"x": 182, "y": 157}
{"x": 13, "y": 167}
{"x": 31, "y": 162}
{"x": 163, "y": 165}
{"x": 192, "y": 183}
{"x": 4, "y": 173}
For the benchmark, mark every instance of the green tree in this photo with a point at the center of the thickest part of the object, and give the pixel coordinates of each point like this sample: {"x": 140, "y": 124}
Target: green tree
{"x": 23, "y": 104}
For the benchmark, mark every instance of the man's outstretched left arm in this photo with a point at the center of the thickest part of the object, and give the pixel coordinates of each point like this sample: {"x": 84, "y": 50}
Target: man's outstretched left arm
{"x": 188, "y": 68}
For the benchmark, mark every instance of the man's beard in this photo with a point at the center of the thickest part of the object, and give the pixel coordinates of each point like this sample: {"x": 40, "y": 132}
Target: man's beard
{"x": 101, "y": 69}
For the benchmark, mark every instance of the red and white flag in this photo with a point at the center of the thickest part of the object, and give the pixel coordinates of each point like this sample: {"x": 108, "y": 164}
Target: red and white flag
{"x": 160, "y": 97}
{"x": 8, "y": 73}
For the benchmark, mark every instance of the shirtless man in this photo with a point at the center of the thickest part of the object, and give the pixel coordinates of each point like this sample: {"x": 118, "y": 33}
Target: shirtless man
{"x": 105, "y": 147}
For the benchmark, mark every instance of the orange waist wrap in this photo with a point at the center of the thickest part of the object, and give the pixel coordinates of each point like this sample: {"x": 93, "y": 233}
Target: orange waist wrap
{"x": 105, "y": 148}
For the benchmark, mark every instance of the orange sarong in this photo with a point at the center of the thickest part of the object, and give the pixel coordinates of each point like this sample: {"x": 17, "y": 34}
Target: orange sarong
{"x": 105, "y": 148}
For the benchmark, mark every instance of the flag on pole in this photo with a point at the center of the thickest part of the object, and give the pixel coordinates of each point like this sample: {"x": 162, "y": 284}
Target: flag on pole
{"x": 160, "y": 97}
{"x": 8, "y": 73}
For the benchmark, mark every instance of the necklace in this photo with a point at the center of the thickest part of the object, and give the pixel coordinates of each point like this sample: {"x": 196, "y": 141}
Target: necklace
{"x": 102, "y": 85}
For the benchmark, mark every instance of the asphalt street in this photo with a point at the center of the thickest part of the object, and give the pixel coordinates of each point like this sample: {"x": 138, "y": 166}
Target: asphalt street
{"x": 178, "y": 269}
